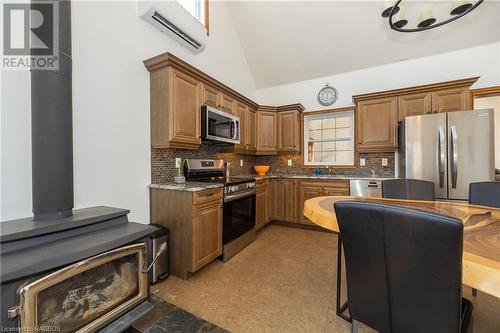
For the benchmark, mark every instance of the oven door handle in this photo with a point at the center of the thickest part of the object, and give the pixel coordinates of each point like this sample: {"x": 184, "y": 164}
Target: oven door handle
{"x": 236, "y": 196}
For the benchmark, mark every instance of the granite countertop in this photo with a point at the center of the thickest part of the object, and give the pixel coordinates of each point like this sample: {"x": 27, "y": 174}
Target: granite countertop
{"x": 187, "y": 187}
{"x": 319, "y": 177}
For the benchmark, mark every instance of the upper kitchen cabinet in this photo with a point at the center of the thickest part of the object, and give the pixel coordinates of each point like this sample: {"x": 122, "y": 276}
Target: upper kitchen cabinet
{"x": 178, "y": 90}
{"x": 450, "y": 100}
{"x": 289, "y": 127}
{"x": 267, "y": 131}
{"x": 175, "y": 109}
{"x": 251, "y": 130}
{"x": 378, "y": 113}
{"x": 414, "y": 104}
{"x": 377, "y": 124}
{"x": 210, "y": 96}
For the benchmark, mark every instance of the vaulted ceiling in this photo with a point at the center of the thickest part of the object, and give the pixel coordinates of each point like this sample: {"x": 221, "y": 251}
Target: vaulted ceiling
{"x": 290, "y": 41}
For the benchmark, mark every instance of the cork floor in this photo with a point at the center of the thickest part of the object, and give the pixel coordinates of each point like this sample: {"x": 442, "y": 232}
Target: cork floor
{"x": 283, "y": 282}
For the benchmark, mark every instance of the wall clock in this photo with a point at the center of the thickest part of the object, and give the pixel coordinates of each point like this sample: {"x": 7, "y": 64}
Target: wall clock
{"x": 327, "y": 95}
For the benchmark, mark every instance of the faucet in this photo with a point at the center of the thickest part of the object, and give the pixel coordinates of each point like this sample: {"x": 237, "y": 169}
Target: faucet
{"x": 373, "y": 173}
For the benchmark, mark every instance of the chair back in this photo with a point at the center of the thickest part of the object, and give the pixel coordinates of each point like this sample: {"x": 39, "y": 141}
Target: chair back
{"x": 404, "y": 267}
{"x": 412, "y": 189}
{"x": 485, "y": 194}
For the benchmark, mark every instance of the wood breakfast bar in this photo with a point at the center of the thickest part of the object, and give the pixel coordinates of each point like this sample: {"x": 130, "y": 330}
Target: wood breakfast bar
{"x": 481, "y": 247}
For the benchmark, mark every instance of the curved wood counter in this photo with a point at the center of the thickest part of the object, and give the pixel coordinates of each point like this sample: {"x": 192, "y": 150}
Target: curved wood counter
{"x": 481, "y": 257}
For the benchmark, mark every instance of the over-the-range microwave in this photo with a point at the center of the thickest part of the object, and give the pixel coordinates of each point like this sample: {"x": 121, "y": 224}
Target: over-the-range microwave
{"x": 217, "y": 125}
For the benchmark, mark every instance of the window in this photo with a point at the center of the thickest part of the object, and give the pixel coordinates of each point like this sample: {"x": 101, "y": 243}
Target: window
{"x": 197, "y": 8}
{"x": 329, "y": 139}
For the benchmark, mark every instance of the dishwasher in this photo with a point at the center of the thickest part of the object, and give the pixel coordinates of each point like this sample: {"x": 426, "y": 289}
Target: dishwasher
{"x": 365, "y": 188}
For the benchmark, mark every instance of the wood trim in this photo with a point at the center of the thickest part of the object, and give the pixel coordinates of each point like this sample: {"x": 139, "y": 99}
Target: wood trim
{"x": 168, "y": 59}
{"x": 342, "y": 109}
{"x": 207, "y": 16}
{"x": 483, "y": 92}
{"x": 290, "y": 107}
{"x": 422, "y": 88}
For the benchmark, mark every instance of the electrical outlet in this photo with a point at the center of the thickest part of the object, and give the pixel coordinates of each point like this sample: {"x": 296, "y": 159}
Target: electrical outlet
{"x": 289, "y": 162}
{"x": 385, "y": 162}
{"x": 362, "y": 162}
{"x": 177, "y": 162}
{"x": 241, "y": 163}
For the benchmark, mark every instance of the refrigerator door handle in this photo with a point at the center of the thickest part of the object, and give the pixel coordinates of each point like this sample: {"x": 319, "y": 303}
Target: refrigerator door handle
{"x": 454, "y": 156}
{"x": 441, "y": 156}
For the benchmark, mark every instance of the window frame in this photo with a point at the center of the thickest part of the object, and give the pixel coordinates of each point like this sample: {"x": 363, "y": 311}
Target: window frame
{"x": 320, "y": 114}
{"x": 206, "y": 19}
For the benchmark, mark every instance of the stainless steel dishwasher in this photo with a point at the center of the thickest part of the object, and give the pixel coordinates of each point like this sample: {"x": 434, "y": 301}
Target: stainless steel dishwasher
{"x": 366, "y": 187}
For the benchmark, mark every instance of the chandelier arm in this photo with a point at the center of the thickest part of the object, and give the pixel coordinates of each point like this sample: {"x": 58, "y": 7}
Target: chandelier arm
{"x": 456, "y": 17}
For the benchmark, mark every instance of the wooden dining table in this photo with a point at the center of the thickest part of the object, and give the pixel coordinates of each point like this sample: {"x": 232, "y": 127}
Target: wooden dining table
{"x": 481, "y": 247}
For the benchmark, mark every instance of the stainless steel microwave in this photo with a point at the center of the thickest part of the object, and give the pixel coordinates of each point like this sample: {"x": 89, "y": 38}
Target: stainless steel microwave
{"x": 217, "y": 125}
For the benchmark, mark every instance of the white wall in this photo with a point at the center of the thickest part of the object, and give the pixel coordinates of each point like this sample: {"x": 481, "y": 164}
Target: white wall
{"x": 110, "y": 105}
{"x": 481, "y": 61}
{"x": 492, "y": 103}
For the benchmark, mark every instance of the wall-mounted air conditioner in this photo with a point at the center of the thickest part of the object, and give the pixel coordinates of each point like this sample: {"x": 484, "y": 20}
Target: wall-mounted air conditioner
{"x": 176, "y": 22}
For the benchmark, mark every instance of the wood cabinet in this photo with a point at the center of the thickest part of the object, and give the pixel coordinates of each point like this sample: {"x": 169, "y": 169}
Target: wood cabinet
{"x": 285, "y": 200}
{"x": 266, "y": 133}
{"x": 377, "y": 124}
{"x": 450, "y": 100}
{"x": 194, "y": 220}
{"x": 175, "y": 109}
{"x": 261, "y": 204}
{"x": 207, "y": 234}
{"x": 227, "y": 103}
{"x": 414, "y": 105}
{"x": 289, "y": 131}
{"x": 241, "y": 111}
{"x": 376, "y": 120}
{"x": 210, "y": 96}
{"x": 310, "y": 188}
{"x": 251, "y": 130}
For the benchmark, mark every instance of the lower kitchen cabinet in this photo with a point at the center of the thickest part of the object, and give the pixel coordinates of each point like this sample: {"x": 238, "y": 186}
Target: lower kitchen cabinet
{"x": 194, "y": 220}
{"x": 262, "y": 206}
{"x": 285, "y": 200}
{"x": 308, "y": 189}
{"x": 207, "y": 234}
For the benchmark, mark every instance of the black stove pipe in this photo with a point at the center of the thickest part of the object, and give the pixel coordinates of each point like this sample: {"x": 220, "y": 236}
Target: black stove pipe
{"x": 52, "y": 128}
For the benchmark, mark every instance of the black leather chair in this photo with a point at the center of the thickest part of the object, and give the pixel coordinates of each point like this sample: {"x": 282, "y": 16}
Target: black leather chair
{"x": 485, "y": 194}
{"x": 404, "y": 269}
{"x": 412, "y": 189}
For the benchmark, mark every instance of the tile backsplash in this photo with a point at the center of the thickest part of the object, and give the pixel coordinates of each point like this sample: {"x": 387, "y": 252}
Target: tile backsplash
{"x": 163, "y": 168}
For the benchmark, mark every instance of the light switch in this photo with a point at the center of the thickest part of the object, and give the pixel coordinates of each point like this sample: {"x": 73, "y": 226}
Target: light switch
{"x": 362, "y": 162}
{"x": 241, "y": 163}
{"x": 289, "y": 162}
{"x": 177, "y": 162}
{"x": 385, "y": 162}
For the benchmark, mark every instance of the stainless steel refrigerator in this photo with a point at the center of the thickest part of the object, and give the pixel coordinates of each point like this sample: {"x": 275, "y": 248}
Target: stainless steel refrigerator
{"x": 450, "y": 149}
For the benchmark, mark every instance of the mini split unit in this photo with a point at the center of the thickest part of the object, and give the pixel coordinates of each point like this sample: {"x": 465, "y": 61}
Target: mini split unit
{"x": 176, "y": 22}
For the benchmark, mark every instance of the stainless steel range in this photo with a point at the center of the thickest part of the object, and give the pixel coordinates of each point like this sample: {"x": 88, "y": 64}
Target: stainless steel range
{"x": 239, "y": 203}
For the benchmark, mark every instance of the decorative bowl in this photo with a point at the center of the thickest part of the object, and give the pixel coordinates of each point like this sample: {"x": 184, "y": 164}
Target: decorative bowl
{"x": 261, "y": 169}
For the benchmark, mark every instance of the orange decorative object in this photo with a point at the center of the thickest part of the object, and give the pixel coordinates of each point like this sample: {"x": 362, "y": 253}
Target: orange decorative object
{"x": 261, "y": 169}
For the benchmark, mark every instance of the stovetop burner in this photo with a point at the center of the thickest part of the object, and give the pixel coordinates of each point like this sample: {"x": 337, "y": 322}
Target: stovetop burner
{"x": 227, "y": 181}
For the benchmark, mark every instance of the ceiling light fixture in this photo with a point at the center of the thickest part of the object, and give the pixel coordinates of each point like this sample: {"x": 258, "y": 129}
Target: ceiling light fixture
{"x": 397, "y": 16}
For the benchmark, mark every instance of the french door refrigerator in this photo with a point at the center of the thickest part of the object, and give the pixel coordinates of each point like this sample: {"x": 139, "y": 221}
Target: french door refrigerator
{"x": 450, "y": 149}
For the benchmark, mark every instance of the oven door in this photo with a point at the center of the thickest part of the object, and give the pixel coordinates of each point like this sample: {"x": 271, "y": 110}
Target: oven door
{"x": 239, "y": 215}
{"x": 219, "y": 126}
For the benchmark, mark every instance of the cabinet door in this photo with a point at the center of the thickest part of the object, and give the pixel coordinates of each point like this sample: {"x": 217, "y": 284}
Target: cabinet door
{"x": 270, "y": 203}
{"x": 288, "y": 131}
{"x": 241, "y": 111}
{"x": 305, "y": 193}
{"x": 377, "y": 124}
{"x": 266, "y": 132}
{"x": 277, "y": 199}
{"x": 227, "y": 103}
{"x": 260, "y": 208}
{"x": 450, "y": 100}
{"x": 289, "y": 200}
{"x": 336, "y": 187}
{"x": 210, "y": 96}
{"x": 414, "y": 105}
{"x": 206, "y": 234}
{"x": 251, "y": 130}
